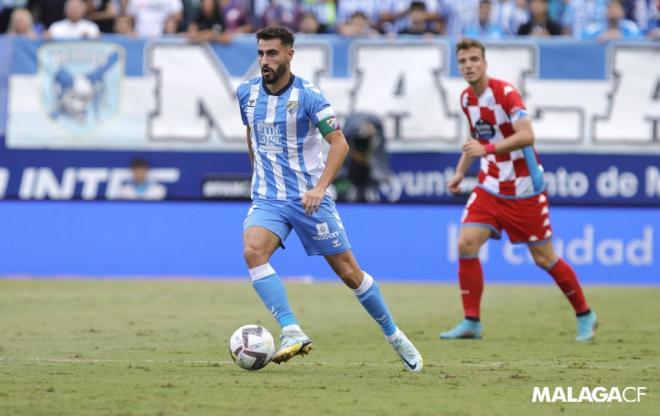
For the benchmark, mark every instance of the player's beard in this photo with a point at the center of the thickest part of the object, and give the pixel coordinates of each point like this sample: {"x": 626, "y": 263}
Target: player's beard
{"x": 271, "y": 76}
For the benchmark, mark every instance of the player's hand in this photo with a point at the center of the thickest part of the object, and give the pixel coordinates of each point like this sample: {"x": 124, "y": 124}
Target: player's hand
{"x": 454, "y": 182}
{"x": 311, "y": 200}
{"x": 473, "y": 148}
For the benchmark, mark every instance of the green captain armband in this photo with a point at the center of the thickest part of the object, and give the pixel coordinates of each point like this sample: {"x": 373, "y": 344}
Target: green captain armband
{"x": 327, "y": 125}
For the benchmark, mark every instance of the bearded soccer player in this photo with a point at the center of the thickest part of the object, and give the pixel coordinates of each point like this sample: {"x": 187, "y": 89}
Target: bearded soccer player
{"x": 510, "y": 192}
{"x": 287, "y": 118}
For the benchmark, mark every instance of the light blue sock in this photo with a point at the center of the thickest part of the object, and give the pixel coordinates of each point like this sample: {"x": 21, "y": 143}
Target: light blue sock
{"x": 372, "y": 300}
{"x": 273, "y": 294}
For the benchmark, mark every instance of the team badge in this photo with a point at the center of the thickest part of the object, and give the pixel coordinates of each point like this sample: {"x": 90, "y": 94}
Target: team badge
{"x": 292, "y": 107}
{"x": 484, "y": 130}
{"x": 81, "y": 83}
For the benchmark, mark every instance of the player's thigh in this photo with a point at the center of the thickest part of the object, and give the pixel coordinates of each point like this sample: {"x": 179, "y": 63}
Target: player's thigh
{"x": 471, "y": 238}
{"x": 480, "y": 218}
{"x": 527, "y": 221}
{"x": 266, "y": 227}
{"x": 321, "y": 233}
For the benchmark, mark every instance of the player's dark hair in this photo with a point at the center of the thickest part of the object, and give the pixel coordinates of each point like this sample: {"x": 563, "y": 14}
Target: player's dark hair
{"x": 276, "y": 32}
{"x": 138, "y": 162}
{"x": 468, "y": 43}
{"x": 417, "y": 5}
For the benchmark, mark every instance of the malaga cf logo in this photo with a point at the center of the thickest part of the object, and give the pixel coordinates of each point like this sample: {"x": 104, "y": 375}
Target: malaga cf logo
{"x": 81, "y": 83}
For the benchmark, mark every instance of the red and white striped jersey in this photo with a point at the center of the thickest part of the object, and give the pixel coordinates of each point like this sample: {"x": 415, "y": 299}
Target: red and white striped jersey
{"x": 517, "y": 174}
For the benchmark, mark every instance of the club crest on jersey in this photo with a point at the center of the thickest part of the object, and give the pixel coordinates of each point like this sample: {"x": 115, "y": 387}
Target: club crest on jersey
{"x": 484, "y": 130}
{"x": 81, "y": 83}
{"x": 292, "y": 107}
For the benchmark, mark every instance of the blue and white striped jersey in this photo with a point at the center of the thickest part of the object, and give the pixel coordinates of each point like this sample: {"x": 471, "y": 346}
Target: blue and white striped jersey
{"x": 285, "y": 139}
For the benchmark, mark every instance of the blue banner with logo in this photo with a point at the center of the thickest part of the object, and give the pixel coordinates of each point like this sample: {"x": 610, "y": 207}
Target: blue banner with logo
{"x": 392, "y": 242}
{"x": 74, "y": 114}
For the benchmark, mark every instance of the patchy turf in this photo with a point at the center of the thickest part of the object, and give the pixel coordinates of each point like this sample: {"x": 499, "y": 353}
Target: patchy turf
{"x": 160, "y": 348}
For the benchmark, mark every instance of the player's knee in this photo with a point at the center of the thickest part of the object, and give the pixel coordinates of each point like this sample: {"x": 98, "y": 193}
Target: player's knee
{"x": 543, "y": 260}
{"x": 351, "y": 275}
{"x": 254, "y": 254}
{"x": 467, "y": 247}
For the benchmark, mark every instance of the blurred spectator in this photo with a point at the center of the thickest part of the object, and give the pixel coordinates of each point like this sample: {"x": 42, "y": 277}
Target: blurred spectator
{"x": 654, "y": 23}
{"x": 578, "y": 14}
{"x": 510, "y": 15}
{"x": 209, "y": 26}
{"x": 394, "y": 16}
{"x": 21, "y": 24}
{"x": 236, "y": 16}
{"x": 172, "y": 25}
{"x": 367, "y": 165}
{"x": 308, "y": 24}
{"x": 457, "y": 14}
{"x": 151, "y": 16}
{"x": 484, "y": 27}
{"x": 191, "y": 9}
{"x": 73, "y": 26}
{"x": 7, "y": 7}
{"x": 616, "y": 27}
{"x": 103, "y": 13}
{"x": 540, "y": 24}
{"x": 281, "y": 13}
{"x": 556, "y": 9}
{"x": 357, "y": 26}
{"x": 49, "y": 11}
{"x": 346, "y": 9}
{"x": 140, "y": 187}
{"x": 417, "y": 20}
{"x": 124, "y": 25}
{"x": 643, "y": 12}
{"x": 325, "y": 12}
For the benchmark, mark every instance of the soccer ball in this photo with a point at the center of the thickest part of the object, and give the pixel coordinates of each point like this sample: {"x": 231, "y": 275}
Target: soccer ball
{"x": 251, "y": 347}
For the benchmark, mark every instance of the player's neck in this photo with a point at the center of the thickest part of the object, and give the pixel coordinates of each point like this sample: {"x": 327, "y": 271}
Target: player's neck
{"x": 480, "y": 86}
{"x": 281, "y": 83}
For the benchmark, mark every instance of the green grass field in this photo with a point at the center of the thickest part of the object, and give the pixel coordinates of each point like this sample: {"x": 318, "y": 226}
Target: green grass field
{"x": 160, "y": 348}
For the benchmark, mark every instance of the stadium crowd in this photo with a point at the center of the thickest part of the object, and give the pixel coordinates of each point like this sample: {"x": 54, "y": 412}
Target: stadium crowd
{"x": 220, "y": 20}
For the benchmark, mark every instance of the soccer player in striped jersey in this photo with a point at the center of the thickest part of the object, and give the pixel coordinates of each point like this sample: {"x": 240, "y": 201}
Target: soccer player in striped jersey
{"x": 287, "y": 118}
{"x": 510, "y": 192}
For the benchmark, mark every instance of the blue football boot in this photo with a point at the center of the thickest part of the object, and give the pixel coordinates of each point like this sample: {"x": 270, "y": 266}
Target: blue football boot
{"x": 466, "y": 329}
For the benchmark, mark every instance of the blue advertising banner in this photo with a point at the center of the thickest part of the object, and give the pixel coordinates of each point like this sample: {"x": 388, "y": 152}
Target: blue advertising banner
{"x": 392, "y": 242}
{"x": 76, "y": 113}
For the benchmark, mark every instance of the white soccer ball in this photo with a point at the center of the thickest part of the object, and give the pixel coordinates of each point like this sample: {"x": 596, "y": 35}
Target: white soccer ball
{"x": 251, "y": 347}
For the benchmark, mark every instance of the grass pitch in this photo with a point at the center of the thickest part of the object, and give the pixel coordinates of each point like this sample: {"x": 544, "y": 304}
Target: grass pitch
{"x": 160, "y": 348}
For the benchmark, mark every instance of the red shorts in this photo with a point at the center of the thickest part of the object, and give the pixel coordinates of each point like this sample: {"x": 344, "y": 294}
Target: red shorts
{"x": 526, "y": 220}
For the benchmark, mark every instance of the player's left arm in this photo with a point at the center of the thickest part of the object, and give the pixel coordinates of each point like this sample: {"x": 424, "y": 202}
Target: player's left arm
{"x": 523, "y": 136}
{"x": 311, "y": 200}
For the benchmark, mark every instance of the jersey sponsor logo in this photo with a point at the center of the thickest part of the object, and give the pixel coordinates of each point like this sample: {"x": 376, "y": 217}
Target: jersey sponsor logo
{"x": 269, "y": 137}
{"x": 484, "y": 129}
{"x": 323, "y": 233}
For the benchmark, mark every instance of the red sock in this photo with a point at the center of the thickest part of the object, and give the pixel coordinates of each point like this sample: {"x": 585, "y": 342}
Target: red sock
{"x": 567, "y": 281}
{"x": 471, "y": 282}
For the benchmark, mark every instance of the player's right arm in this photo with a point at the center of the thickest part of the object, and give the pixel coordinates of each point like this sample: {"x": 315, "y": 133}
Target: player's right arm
{"x": 249, "y": 146}
{"x": 464, "y": 163}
